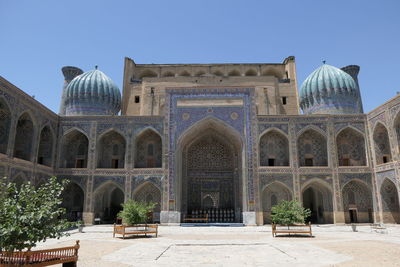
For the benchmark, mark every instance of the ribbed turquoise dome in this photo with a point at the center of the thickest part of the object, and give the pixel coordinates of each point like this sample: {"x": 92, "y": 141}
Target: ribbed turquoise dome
{"x": 329, "y": 90}
{"x": 92, "y": 93}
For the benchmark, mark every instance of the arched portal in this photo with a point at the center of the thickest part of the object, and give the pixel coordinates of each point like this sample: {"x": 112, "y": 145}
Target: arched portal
{"x": 74, "y": 150}
{"x": 318, "y": 198}
{"x": 108, "y": 199}
{"x": 271, "y": 196}
{"x": 72, "y": 202}
{"x": 390, "y": 202}
{"x": 111, "y": 151}
{"x": 351, "y": 148}
{"x": 274, "y": 149}
{"x": 312, "y": 149}
{"x": 24, "y": 137}
{"x": 210, "y": 164}
{"x": 149, "y": 193}
{"x": 382, "y": 144}
{"x": 357, "y": 203}
{"x": 45, "y": 153}
{"x": 148, "y": 150}
{"x": 5, "y": 124}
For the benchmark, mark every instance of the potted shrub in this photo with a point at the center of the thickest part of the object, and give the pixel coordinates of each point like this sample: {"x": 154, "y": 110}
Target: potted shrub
{"x": 289, "y": 213}
{"x": 134, "y": 212}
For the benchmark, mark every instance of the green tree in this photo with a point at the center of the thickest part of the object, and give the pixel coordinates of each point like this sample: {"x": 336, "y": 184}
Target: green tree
{"x": 289, "y": 212}
{"x": 135, "y": 212}
{"x": 29, "y": 215}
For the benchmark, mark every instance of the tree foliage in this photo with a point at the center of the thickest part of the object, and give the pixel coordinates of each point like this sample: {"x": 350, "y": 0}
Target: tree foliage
{"x": 135, "y": 212}
{"x": 29, "y": 215}
{"x": 289, "y": 212}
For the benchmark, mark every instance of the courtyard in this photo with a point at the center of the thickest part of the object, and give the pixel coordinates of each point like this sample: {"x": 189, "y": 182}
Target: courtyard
{"x": 332, "y": 245}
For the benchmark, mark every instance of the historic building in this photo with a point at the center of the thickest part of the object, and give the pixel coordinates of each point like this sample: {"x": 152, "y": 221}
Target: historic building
{"x": 224, "y": 139}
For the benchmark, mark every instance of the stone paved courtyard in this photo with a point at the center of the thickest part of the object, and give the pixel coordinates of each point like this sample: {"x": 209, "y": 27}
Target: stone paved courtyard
{"x": 237, "y": 246}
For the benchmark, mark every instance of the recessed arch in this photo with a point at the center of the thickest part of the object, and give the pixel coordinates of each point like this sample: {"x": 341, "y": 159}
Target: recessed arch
{"x": 350, "y": 145}
{"x": 46, "y": 147}
{"x": 74, "y": 150}
{"x": 218, "y": 73}
{"x": 148, "y": 74}
{"x": 251, "y": 72}
{"x": 274, "y": 149}
{"x": 381, "y": 144}
{"x": 5, "y": 124}
{"x": 149, "y": 193}
{"x": 24, "y": 135}
{"x": 73, "y": 198}
{"x": 148, "y": 149}
{"x": 234, "y": 73}
{"x": 317, "y": 196}
{"x": 200, "y": 73}
{"x": 396, "y": 127}
{"x": 184, "y": 73}
{"x": 108, "y": 199}
{"x": 312, "y": 148}
{"x": 272, "y": 72}
{"x": 390, "y": 202}
{"x": 168, "y": 74}
{"x": 111, "y": 149}
{"x": 357, "y": 202}
{"x": 272, "y": 194}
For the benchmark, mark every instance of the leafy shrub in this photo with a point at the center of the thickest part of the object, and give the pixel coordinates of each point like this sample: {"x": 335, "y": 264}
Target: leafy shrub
{"x": 289, "y": 212}
{"x": 134, "y": 212}
{"x": 29, "y": 215}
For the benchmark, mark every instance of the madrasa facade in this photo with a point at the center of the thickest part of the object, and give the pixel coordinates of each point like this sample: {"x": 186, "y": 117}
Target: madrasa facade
{"x": 227, "y": 140}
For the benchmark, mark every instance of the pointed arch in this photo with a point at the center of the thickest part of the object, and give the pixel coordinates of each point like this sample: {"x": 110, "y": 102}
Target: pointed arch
{"x": 111, "y": 149}
{"x": 350, "y": 145}
{"x": 234, "y": 73}
{"x": 312, "y": 148}
{"x": 274, "y": 148}
{"x": 5, "y": 124}
{"x": 148, "y": 149}
{"x": 381, "y": 144}
{"x": 251, "y": 72}
{"x": 168, "y": 74}
{"x": 184, "y": 73}
{"x": 272, "y": 194}
{"x": 24, "y": 134}
{"x": 357, "y": 202}
{"x": 317, "y": 196}
{"x": 200, "y": 73}
{"x": 149, "y": 193}
{"x": 148, "y": 74}
{"x": 74, "y": 150}
{"x": 108, "y": 199}
{"x": 396, "y": 127}
{"x": 390, "y": 202}
{"x": 46, "y": 147}
{"x": 218, "y": 73}
{"x": 73, "y": 198}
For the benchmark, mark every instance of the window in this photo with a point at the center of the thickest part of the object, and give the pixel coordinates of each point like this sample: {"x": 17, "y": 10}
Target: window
{"x": 271, "y": 162}
{"x": 284, "y": 100}
{"x": 114, "y": 163}
{"x": 137, "y": 99}
{"x": 309, "y": 162}
{"x": 79, "y": 163}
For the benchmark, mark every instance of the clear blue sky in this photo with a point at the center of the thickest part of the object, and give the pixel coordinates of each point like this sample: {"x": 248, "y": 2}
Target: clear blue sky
{"x": 39, "y": 37}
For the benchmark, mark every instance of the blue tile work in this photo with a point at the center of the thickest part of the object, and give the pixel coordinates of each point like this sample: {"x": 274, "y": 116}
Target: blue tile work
{"x": 243, "y": 125}
{"x": 99, "y": 180}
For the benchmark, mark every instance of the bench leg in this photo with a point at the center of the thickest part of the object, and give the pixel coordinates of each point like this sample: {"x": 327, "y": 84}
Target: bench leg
{"x": 69, "y": 264}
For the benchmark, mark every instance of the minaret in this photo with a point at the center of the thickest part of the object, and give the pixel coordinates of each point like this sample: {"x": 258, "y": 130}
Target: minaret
{"x": 69, "y": 74}
{"x": 353, "y": 71}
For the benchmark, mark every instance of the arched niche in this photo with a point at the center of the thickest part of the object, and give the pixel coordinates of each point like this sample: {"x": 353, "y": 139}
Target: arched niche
{"x": 108, "y": 200}
{"x": 218, "y": 73}
{"x": 312, "y": 149}
{"x": 5, "y": 124}
{"x": 318, "y": 198}
{"x": 381, "y": 144}
{"x": 274, "y": 149}
{"x": 45, "y": 152}
{"x": 148, "y": 74}
{"x": 72, "y": 201}
{"x": 351, "y": 148}
{"x": 234, "y": 73}
{"x": 149, "y": 193}
{"x": 251, "y": 72}
{"x": 396, "y": 127}
{"x": 168, "y": 74}
{"x": 148, "y": 152}
{"x": 74, "y": 150}
{"x": 111, "y": 151}
{"x": 271, "y": 196}
{"x": 24, "y": 134}
{"x": 357, "y": 202}
{"x": 390, "y": 202}
{"x": 184, "y": 74}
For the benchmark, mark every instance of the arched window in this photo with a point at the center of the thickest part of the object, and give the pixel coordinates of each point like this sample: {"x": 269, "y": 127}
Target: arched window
{"x": 350, "y": 148}
{"x": 45, "y": 153}
{"x": 5, "y": 124}
{"x": 312, "y": 149}
{"x": 74, "y": 150}
{"x": 24, "y": 137}
{"x": 148, "y": 150}
{"x": 111, "y": 151}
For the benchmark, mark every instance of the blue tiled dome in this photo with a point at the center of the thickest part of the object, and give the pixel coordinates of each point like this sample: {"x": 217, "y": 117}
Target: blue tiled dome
{"x": 329, "y": 90}
{"x": 92, "y": 93}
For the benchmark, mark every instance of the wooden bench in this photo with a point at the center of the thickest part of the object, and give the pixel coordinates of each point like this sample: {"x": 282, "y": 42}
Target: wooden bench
{"x": 291, "y": 229}
{"x": 195, "y": 218}
{"x": 68, "y": 256}
{"x": 139, "y": 229}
